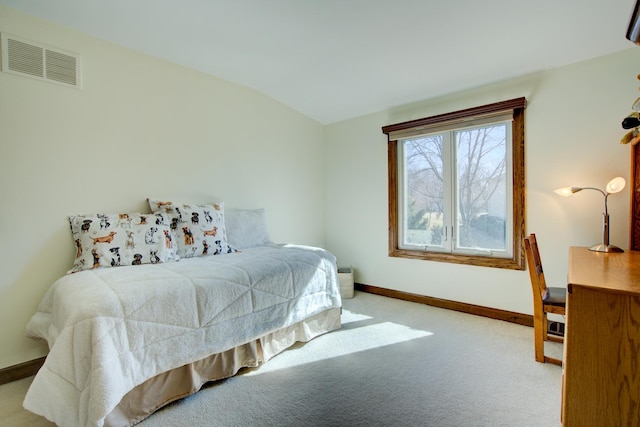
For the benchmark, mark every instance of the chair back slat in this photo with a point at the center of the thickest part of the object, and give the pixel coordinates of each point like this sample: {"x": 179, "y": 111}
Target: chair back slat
{"x": 535, "y": 265}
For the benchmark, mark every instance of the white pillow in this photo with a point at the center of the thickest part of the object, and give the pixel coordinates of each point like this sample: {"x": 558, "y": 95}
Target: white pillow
{"x": 199, "y": 230}
{"x": 247, "y": 228}
{"x": 111, "y": 240}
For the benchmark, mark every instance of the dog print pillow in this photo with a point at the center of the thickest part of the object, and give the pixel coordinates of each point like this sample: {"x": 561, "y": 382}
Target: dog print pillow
{"x": 199, "y": 229}
{"x": 111, "y": 240}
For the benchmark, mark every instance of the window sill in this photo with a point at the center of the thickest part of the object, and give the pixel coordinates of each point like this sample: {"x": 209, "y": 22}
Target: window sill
{"x": 515, "y": 263}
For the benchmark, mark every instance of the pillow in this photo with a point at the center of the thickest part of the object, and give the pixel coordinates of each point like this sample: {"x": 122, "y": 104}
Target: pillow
{"x": 247, "y": 228}
{"x": 199, "y": 229}
{"x": 111, "y": 240}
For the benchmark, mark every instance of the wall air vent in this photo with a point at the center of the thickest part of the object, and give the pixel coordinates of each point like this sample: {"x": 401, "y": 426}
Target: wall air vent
{"x": 35, "y": 60}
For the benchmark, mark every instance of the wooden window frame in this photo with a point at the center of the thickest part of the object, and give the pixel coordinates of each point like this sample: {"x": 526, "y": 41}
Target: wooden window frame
{"x": 517, "y": 260}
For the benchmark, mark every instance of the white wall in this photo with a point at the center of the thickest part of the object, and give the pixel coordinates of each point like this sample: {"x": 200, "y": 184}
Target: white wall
{"x": 572, "y": 135}
{"x": 139, "y": 128}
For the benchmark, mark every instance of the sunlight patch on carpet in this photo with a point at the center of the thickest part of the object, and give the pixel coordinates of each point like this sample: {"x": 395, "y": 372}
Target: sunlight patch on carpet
{"x": 349, "y": 317}
{"x": 344, "y": 341}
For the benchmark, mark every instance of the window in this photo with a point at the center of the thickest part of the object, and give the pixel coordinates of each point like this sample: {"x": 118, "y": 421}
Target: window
{"x": 456, "y": 186}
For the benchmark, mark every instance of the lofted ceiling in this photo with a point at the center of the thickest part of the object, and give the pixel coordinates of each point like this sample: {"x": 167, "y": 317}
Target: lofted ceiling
{"x": 337, "y": 59}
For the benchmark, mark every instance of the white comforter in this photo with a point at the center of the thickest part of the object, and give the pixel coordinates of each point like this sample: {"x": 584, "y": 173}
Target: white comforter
{"x": 111, "y": 329}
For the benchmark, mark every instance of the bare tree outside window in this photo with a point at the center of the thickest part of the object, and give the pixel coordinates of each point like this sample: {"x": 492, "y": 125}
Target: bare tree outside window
{"x": 481, "y": 168}
{"x": 480, "y": 159}
{"x": 425, "y": 186}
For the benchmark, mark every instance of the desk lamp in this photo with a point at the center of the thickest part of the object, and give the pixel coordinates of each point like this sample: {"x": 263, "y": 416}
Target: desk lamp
{"x": 614, "y": 186}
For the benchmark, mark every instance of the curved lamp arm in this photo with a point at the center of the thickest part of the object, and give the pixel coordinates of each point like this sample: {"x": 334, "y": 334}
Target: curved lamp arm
{"x": 570, "y": 191}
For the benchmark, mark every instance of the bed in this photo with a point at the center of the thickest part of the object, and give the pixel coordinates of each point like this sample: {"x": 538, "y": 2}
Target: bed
{"x": 126, "y": 341}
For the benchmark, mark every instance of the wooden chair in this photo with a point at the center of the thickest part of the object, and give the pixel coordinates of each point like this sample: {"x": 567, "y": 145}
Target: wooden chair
{"x": 545, "y": 300}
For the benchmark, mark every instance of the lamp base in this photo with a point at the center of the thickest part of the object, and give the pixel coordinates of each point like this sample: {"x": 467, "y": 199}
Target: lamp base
{"x": 606, "y": 248}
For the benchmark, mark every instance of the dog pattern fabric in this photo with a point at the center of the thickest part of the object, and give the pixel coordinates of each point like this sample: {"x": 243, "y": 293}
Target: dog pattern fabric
{"x": 199, "y": 229}
{"x": 111, "y": 240}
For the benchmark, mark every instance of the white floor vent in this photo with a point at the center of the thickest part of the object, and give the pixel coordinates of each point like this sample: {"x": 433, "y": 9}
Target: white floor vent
{"x": 41, "y": 62}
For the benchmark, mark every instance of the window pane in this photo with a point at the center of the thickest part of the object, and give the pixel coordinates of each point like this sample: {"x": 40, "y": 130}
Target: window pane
{"x": 423, "y": 188}
{"x": 481, "y": 205}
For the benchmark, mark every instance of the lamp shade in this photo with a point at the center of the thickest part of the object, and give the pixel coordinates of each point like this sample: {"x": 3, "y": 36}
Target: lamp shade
{"x": 566, "y": 191}
{"x": 616, "y": 185}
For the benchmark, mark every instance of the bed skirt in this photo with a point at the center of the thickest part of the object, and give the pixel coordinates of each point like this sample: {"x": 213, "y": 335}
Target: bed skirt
{"x": 169, "y": 386}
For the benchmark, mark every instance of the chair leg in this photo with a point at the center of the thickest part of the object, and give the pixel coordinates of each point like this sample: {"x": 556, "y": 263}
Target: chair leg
{"x": 540, "y": 332}
{"x": 539, "y": 335}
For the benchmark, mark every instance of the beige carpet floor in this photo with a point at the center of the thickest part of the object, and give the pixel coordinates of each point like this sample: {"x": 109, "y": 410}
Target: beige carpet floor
{"x": 393, "y": 363}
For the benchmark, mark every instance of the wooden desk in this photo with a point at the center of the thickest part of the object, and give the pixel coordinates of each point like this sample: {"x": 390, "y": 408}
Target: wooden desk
{"x": 601, "y": 379}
